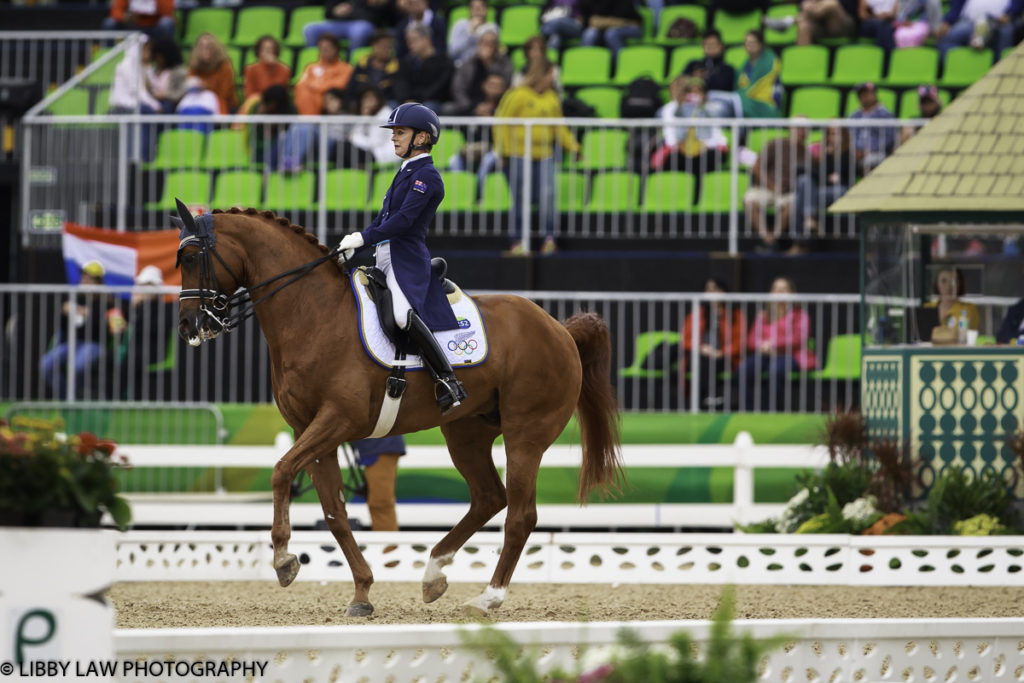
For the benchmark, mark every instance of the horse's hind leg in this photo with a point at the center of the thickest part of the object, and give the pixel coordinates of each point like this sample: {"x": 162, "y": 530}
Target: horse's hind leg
{"x": 469, "y": 443}
{"x": 326, "y": 477}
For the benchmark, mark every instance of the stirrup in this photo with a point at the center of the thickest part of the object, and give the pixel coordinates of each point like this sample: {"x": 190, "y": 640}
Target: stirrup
{"x": 451, "y": 394}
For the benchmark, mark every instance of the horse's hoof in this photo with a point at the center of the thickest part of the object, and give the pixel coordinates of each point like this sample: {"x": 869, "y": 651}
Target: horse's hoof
{"x": 473, "y": 610}
{"x": 359, "y": 609}
{"x": 287, "y": 570}
{"x": 434, "y": 589}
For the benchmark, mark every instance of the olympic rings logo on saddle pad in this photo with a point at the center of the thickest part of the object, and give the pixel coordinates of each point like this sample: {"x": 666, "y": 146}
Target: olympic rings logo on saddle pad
{"x": 465, "y": 346}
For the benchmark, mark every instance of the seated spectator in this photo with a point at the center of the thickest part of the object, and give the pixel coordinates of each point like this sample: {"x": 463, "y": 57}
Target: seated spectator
{"x": 819, "y": 19}
{"x": 899, "y": 23}
{"x": 1011, "y": 330}
{"x": 827, "y": 179}
{"x": 872, "y": 145}
{"x": 478, "y": 152}
{"x": 210, "y": 62}
{"x": 350, "y": 20}
{"x": 980, "y": 24}
{"x": 166, "y": 74}
{"x": 267, "y": 138}
{"x": 198, "y": 100}
{"x": 757, "y": 82}
{"x": 773, "y": 183}
{"x": 328, "y": 71}
{"x": 719, "y": 77}
{"x": 129, "y": 91}
{"x": 561, "y": 20}
{"x": 777, "y": 343}
{"x": 467, "y": 85}
{"x": 155, "y": 18}
{"x": 695, "y": 149}
{"x": 266, "y": 71}
{"x": 302, "y": 138}
{"x": 466, "y": 32}
{"x": 378, "y": 68}
{"x": 372, "y": 142}
{"x": 720, "y": 330}
{"x": 947, "y": 289}
{"x": 611, "y": 23}
{"x": 535, "y": 50}
{"x": 928, "y": 103}
{"x": 419, "y": 12}
{"x": 424, "y": 75}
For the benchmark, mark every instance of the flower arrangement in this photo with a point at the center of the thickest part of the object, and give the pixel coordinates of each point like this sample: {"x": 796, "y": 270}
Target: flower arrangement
{"x": 48, "y": 478}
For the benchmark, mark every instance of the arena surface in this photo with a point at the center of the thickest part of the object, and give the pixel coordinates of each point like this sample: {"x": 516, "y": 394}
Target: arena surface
{"x": 264, "y": 603}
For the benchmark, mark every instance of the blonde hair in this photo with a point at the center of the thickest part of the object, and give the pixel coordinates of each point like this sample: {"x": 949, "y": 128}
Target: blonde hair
{"x": 219, "y": 53}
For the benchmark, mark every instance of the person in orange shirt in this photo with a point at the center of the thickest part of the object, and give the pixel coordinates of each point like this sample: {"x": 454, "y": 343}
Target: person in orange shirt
{"x": 720, "y": 329}
{"x": 329, "y": 71}
{"x": 267, "y": 70}
{"x": 210, "y": 62}
{"x": 155, "y": 18}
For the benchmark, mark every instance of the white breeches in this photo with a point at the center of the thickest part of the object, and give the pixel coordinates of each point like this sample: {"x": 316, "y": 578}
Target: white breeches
{"x": 399, "y": 304}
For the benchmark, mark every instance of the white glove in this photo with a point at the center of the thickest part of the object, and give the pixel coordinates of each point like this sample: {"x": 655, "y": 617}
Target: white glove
{"x": 349, "y": 244}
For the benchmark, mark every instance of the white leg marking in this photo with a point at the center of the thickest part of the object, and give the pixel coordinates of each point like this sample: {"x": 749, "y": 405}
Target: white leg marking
{"x": 491, "y": 598}
{"x": 434, "y": 567}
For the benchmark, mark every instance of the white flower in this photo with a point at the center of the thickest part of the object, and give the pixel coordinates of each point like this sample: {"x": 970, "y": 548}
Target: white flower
{"x": 860, "y": 510}
{"x": 800, "y": 497}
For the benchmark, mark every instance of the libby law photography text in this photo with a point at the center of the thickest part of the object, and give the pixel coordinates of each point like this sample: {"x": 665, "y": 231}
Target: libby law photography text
{"x": 48, "y": 669}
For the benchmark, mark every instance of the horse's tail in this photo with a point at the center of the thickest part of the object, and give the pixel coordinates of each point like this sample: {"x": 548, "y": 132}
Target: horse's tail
{"x": 597, "y": 408}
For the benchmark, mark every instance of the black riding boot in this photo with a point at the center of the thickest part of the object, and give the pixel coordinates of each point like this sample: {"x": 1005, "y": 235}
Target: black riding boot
{"x": 449, "y": 390}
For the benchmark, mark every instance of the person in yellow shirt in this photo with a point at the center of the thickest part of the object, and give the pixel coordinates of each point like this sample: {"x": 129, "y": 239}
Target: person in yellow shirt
{"x": 949, "y": 287}
{"x": 535, "y": 98}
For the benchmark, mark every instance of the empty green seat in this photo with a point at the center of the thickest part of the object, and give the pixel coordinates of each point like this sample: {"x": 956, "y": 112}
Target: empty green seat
{"x": 225, "y": 148}
{"x": 635, "y": 61}
{"x": 192, "y": 187}
{"x": 605, "y": 100}
{"x": 781, "y": 38}
{"x": 586, "y": 65}
{"x": 680, "y": 57}
{"x": 604, "y": 148}
{"x": 804, "y": 65}
{"x": 74, "y": 102}
{"x": 347, "y": 189}
{"x": 291, "y": 191}
{"x": 885, "y": 96}
{"x": 736, "y": 56}
{"x": 668, "y": 192}
{"x": 104, "y": 74}
{"x": 716, "y": 192}
{"x": 858, "y": 63}
{"x": 965, "y": 65}
{"x": 519, "y": 23}
{"x": 216, "y": 20}
{"x": 178, "y": 148}
{"x": 451, "y": 141}
{"x": 459, "y": 191}
{"x": 695, "y": 13}
{"x": 298, "y": 19}
{"x": 912, "y": 66}
{"x": 734, "y": 27}
{"x": 381, "y": 182}
{"x": 842, "y": 359}
{"x": 257, "y": 21}
{"x": 815, "y": 102}
{"x": 645, "y": 344}
{"x": 570, "y": 191}
{"x": 496, "y": 194}
{"x": 243, "y": 189}
{"x": 614, "y": 191}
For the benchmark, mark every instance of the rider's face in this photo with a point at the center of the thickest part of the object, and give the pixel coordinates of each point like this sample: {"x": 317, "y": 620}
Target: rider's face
{"x": 402, "y": 138}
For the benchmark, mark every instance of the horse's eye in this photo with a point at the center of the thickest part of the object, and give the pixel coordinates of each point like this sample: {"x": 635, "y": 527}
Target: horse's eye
{"x": 189, "y": 259}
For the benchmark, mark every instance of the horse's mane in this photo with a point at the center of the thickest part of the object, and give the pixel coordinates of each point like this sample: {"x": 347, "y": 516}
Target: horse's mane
{"x": 281, "y": 221}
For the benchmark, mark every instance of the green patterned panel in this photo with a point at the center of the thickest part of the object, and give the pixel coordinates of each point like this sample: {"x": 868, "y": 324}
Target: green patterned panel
{"x": 882, "y": 399}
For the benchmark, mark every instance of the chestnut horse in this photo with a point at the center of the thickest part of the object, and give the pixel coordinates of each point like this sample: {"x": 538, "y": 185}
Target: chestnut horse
{"x": 329, "y": 391}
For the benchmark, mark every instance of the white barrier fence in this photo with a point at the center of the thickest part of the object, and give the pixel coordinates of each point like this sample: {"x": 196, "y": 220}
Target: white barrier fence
{"x": 859, "y": 650}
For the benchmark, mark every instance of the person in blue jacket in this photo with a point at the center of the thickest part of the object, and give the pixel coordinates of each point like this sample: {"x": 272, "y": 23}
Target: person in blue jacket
{"x": 399, "y": 233}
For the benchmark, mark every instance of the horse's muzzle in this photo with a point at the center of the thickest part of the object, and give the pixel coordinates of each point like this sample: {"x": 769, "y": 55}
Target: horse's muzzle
{"x": 195, "y": 327}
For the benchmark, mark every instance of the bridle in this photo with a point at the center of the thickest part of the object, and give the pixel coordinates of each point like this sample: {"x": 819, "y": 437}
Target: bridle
{"x": 214, "y": 303}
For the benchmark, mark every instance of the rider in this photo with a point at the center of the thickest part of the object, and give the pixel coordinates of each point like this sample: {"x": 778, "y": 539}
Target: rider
{"x": 399, "y": 234}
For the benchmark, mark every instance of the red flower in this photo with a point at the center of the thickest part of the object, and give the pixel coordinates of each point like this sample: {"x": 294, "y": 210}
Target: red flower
{"x": 87, "y": 443}
{"x": 106, "y": 446}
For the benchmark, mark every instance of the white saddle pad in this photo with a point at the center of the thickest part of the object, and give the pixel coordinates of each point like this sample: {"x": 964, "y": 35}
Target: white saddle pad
{"x": 464, "y": 347}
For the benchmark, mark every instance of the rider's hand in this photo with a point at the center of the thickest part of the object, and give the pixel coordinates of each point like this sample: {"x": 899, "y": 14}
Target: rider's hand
{"x": 349, "y": 244}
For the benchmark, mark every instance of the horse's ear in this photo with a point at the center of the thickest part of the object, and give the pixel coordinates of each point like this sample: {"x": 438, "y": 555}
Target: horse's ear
{"x": 186, "y": 217}
{"x": 177, "y": 222}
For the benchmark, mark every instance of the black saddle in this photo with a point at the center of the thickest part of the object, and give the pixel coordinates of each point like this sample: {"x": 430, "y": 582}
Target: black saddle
{"x": 381, "y": 296}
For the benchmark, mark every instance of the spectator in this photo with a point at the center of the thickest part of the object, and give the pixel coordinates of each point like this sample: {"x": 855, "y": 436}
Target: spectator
{"x": 424, "y": 75}
{"x": 980, "y": 24}
{"x": 820, "y": 19}
{"x": 328, "y": 71}
{"x": 95, "y": 322}
{"x": 419, "y": 12}
{"x": 695, "y": 149}
{"x": 266, "y": 71}
{"x": 929, "y": 105}
{"x": 1011, "y": 330}
{"x": 611, "y": 22}
{"x": 757, "y": 83}
{"x": 899, "y": 23}
{"x": 155, "y": 18}
{"x": 350, "y": 20}
{"x": 302, "y": 137}
{"x": 378, "y": 68}
{"x": 872, "y": 145}
{"x": 198, "y": 100}
{"x": 379, "y": 457}
{"x": 778, "y": 345}
{"x": 166, "y": 74}
{"x": 210, "y": 62}
{"x": 561, "y": 20}
{"x": 129, "y": 91}
{"x": 152, "y": 324}
{"x": 717, "y": 74}
{"x": 478, "y": 152}
{"x": 720, "y": 330}
{"x": 773, "y": 183}
{"x": 947, "y": 288}
{"x": 467, "y": 32}
{"x": 467, "y": 85}
{"x": 536, "y": 97}
{"x": 370, "y": 139}
{"x": 535, "y": 50}
{"x": 268, "y": 137}
{"x": 826, "y": 180}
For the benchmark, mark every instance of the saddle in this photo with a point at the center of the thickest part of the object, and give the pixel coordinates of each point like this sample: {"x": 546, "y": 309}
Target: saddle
{"x": 381, "y": 296}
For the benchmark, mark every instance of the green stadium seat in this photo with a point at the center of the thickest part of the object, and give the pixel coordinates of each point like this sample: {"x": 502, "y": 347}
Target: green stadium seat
{"x": 226, "y": 149}
{"x": 804, "y": 65}
{"x": 216, "y": 20}
{"x": 496, "y": 195}
{"x": 452, "y": 140}
{"x": 910, "y": 105}
{"x": 192, "y": 187}
{"x": 716, "y": 192}
{"x": 757, "y": 137}
{"x": 647, "y": 17}
{"x": 912, "y": 66}
{"x": 635, "y": 61}
{"x": 858, "y": 63}
{"x": 291, "y": 191}
{"x": 347, "y": 189}
{"x": 680, "y": 57}
{"x": 459, "y": 192}
{"x": 886, "y": 96}
{"x": 695, "y": 13}
{"x": 298, "y": 19}
{"x": 736, "y": 56}
{"x": 178, "y": 148}
{"x": 104, "y": 75}
{"x": 303, "y": 58}
{"x": 604, "y": 99}
{"x": 964, "y": 65}
{"x": 570, "y": 191}
{"x": 604, "y": 148}
{"x": 815, "y": 102}
{"x": 237, "y": 188}
{"x": 586, "y": 65}
{"x": 614, "y": 191}
{"x": 101, "y": 101}
{"x": 74, "y": 102}
{"x": 643, "y": 346}
{"x": 780, "y": 38}
{"x": 734, "y": 27}
{"x": 842, "y": 359}
{"x": 668, "y": 192}
{"x": 256, "y": 21}
{"x": 519, "y": 23}
{"x": 381, "y": 182}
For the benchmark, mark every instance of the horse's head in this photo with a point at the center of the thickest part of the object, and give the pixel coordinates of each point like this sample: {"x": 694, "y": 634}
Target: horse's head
{"x": 208, "y": 277}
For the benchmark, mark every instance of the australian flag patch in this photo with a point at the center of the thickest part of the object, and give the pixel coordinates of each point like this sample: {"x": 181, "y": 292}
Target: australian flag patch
{"x": 419, "y": 186}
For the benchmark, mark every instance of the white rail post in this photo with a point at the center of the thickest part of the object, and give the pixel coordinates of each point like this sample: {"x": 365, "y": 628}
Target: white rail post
{"x": 743, "y": 478}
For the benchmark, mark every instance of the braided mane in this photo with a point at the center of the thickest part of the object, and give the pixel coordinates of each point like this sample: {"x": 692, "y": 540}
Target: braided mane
{"x": 279, "y": 220}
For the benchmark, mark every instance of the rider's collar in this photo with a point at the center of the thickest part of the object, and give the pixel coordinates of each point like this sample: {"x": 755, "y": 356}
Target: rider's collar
{"x": 415, "y": 158}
